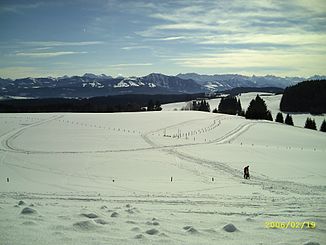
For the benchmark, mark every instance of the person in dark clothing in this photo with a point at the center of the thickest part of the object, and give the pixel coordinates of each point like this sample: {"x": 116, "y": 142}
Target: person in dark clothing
{"x": 246, "y": 172}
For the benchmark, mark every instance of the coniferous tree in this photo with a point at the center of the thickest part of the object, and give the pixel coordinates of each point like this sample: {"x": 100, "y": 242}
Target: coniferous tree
{"x": 310, "y": 123}
{"x": 323, "y": 126}
{"x": 229, "y": 105}
{"x": 289, "y": 120}
{"x": 239, "y": 107}
{"x": 307, "y": 96}
{"x": 269, "y": 116}
{"x": 215, "y": 110}
{"x": 203, "y": 105}
{"x": 257, "y": 109}
{"x": 279, "y": 118}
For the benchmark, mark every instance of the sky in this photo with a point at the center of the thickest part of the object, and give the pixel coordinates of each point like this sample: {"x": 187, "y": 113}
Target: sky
{"x": 134, "y": 38}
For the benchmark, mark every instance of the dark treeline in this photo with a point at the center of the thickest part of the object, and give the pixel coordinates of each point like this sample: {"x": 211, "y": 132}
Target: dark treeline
{"x": 307, "y": 96}
{"x": 118, "y": 103}
{"x": 202, "y": 105}
{"x": 230, "y": 105}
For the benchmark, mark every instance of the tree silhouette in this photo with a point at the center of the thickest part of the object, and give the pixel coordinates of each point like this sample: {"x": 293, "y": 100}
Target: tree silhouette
{"x": 269, "y": 116}
{"x": 307, "y": 96}
{"x": 230, "y": 105}
{"x": 310, "y": 123}
{"x": 258, "y": 110}
{"x": 289, "y": 120}
{"x": 279, "y": 118}
{"x": 323, "y": 126}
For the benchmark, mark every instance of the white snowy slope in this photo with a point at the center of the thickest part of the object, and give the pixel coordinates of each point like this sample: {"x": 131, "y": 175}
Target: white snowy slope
{"x": 106, "y": 179}
{"x": 272, "y": 102}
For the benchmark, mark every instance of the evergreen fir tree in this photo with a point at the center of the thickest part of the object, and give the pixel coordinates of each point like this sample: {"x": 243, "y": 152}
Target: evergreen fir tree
{"x": 310, "y": 124}
{"x": 257, "y": 109}
{"x": 269, "y": 116}
{"x": 229, "y": 105}
{"x": 279, "y": 118}
{"x": 215, "y": 110}
{"x": 239, "y": 107}
{"x": 323, "y": 126}
{"x": 289, "y": 120}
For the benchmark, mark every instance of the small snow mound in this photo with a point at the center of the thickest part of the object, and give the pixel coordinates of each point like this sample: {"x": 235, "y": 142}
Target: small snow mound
{"x": 104, "y": 207}
{"x": 187, "y": 227}
{"x": 32, "y": 205}
{"x": 230, "y": 228}
{"x": 250, "y": 219}
{"x": 128, "y": 206}
{"x": 136, "y": 229}
{"x": 130, "y": 211}
{"x": 85, "y": 225}
{"x": 190, "y": 229}
{"x": 21, "y": 203}
{"x": 152, "y": 223}
{"x": 90, "y": 215}
{"x": 114, "y": 215}
{"x": 28, "y": 210}
{"x": 152, "y": 232}
{"x": 131, "y": 222}
{"x": 101, "y": 221}
{"x": 311, "y": 243}
{"x": 139, "y": 236}
{"x": 163, "y": 234}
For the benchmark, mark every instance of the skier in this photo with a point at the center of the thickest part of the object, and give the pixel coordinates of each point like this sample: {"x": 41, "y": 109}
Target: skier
{"x": 246, "y": 172}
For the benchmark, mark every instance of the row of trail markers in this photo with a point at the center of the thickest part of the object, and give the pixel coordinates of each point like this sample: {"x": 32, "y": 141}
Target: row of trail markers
{"x": 213, "y": 179}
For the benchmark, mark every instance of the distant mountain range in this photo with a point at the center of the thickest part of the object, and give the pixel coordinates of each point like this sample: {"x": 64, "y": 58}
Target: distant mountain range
{"x": 91, "y": 85}
{"x": 230, "y": 81}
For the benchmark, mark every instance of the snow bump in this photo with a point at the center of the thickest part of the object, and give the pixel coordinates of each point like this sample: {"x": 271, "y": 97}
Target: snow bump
{"x": 28, "y": 210}
{"x": 230, "y": 228}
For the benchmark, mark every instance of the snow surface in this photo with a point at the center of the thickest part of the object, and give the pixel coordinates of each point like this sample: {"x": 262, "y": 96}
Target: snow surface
{"x": 106, "y": 179}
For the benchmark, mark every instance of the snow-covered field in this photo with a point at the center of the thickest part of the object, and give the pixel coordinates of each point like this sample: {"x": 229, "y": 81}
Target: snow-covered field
{"x": 272, "y": 102}
{"x": 106, "y": 179}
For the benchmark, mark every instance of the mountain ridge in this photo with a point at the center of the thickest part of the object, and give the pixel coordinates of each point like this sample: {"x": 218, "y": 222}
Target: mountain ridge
{"x": 91, "y": 85}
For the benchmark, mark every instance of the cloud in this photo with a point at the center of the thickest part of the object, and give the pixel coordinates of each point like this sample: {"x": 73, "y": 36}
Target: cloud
{"x": 17, "y": 71}
{"x": 131, "y": 64}
{"x": 19, "y": 8}
{"x": 173, "y": 38}
{"x": 61, "y": 43}
{"x": 306, "y": 64}
{"x": 135, "y": 47}
{"x": 47, "y": 54}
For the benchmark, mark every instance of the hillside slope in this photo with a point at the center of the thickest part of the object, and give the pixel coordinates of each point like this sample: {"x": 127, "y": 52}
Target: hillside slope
{"x": 97, "y": 178}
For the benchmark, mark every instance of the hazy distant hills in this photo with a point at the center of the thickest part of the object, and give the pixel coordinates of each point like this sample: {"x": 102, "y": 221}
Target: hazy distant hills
{"x": 230, "y": 81}
{"x": 90, "y": 85}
